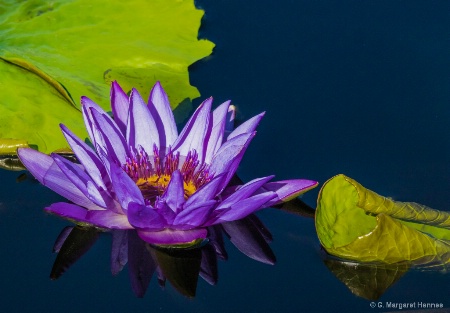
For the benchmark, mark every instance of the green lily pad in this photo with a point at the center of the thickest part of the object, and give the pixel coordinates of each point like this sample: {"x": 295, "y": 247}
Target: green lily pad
{"x": 355, "y": 223}
{"x": 33, "y": 112}
{"x": 54, "y": 52}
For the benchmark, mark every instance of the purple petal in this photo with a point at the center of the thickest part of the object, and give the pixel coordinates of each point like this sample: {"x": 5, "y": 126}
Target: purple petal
{"x": 44, "y": 168}
{"x": 80, "y": 179}
{"x": 172, "y": 237}
{"x": 229, "y": 156}
{"x": 159, "y": 106}
{"x": 243, "y": 192}
{"x": 193, "y": 135}
{"x": 106, "y": 161}
{"x": 87, "y": 105}
{"x": 248, "y": 126}
{"x": 112, "y": 203}
{"x": 174, "y": 194}
{"x": 87, "y": 157}
{"x": 229, "y": 190}
{"x": 74, "y": 172}
{"x": 288, "y": 189}
{"x": 207, "y": 192}
{"x": 165, "y": 211}
{"x": 99, "y": 218}
{"x": 195, "y": 216}
{"x": 214, "y": 141}
{"x": 68, "y": 210}
{"x": 124, "y": 187}
{"x": 108, "y": 219}
{"x": 119, "y": 106}
{"x": 144, "y": 217}
{"x": 242, "y": 208}
{"x": 112, "y": 139}
{"x": 141, "y": 128}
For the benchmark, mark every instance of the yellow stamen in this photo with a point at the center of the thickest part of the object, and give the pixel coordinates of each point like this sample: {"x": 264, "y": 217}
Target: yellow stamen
{"x": 189, "y": 189}
{"x": 156, "y": 185}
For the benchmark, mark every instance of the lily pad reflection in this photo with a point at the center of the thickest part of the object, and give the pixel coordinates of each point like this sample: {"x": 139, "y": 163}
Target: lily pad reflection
{"x": 180, "y": 267}
{"x": 368, "y": 281}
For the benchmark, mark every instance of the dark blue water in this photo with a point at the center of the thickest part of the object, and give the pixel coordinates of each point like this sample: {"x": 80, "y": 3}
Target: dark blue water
{"x": 360, "y": 88}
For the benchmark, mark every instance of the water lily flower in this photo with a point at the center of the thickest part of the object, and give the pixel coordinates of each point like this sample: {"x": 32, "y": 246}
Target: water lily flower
{"x": 143, "y": 174}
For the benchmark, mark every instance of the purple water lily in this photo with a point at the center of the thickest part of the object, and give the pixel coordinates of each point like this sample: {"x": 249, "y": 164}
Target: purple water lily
{"x": 142, "y": 174}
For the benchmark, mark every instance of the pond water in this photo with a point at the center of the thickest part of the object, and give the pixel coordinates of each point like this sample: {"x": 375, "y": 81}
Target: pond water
{"x": 360, "y": 88}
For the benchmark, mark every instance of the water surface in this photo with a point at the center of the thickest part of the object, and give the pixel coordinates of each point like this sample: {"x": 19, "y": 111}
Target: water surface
{"x": 360, "y": 88}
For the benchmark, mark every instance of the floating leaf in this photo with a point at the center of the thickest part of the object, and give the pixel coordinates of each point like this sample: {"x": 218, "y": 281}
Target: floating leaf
{"x": 9, "y": 146}
{"x": 54, "y": 52}
{"x": 355, "y": 223}
{"x": 32, "y": 109}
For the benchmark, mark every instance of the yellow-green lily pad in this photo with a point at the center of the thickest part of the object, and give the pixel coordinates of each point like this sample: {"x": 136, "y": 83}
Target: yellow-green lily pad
{"x": 355, "y": 223}
{"x": 57, "y": 51}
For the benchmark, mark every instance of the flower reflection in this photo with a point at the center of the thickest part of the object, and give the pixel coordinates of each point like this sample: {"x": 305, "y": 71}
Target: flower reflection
{"x": 181, "y": 267}
{"x": 144, "y": 175}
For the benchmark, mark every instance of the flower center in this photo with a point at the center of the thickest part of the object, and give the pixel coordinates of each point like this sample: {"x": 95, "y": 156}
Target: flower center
{"x": 155, "y": 185}
{"x": 153, "y": 174}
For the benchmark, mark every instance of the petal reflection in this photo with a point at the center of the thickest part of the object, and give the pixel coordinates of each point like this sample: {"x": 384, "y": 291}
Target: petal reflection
{"x": 180, "y": 266}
